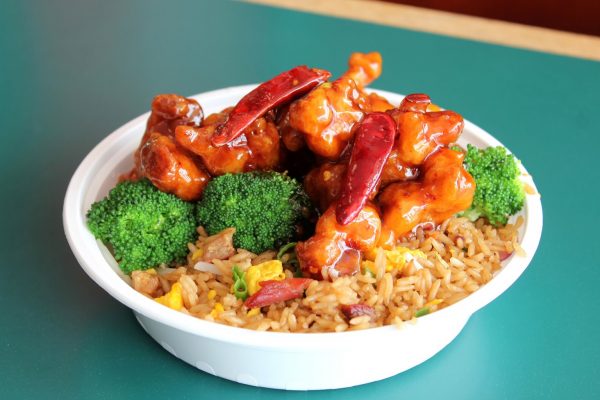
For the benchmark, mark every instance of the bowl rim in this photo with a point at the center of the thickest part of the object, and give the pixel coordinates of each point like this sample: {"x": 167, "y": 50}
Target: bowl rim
{"x": 83, "y": 244}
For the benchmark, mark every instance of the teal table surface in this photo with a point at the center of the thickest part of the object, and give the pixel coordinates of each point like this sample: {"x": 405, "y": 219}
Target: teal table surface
{"x": 72, "y": 72}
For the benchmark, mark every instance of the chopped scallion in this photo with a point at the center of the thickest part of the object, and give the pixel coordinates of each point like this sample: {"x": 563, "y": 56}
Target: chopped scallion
{"x": 240, "y": 288}
{"x": 285, "y": 248}
{"x": 422, "y": 311}
{"x": 292, "y": 259}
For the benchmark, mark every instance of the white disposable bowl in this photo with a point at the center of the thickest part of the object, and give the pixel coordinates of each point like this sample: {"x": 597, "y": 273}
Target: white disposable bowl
{"x": 275, "y": 360}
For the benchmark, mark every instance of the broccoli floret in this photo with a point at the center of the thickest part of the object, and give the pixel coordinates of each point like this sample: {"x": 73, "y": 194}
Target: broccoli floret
{"x": 499, "y": 193}
{"x": 267, "y": 209}
{"x": 144, "y": 226}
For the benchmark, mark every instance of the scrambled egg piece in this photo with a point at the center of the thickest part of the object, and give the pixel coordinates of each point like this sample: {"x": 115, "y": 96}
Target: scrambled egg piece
{"x": 253, "y": 312}
{"x": 269, "y": 270}
{"x": 218, "y": 308}
{"x": 368, "y": 266}
{"x": 197, "y": 255}
{"x": 396, "y": 258}
{"x": 173, "y": 298}
{"x": 434, "y": 302}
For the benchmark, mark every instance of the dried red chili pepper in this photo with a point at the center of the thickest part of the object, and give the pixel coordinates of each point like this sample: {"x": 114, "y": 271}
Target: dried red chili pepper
{"x": 372, "y": 146}
{"x": 272, "y": 93}
{"x": 275, "y": 291}
{"x": 357, "y": 310}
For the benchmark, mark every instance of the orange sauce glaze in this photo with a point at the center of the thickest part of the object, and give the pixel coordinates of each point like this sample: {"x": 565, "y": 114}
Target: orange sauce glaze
{"x": 422, "y": 181}
{"x": 256, "y": 148}
{"x": 446, "y": 189}
{"x": 169, "y": 167}
{"x": 336, "y": 249}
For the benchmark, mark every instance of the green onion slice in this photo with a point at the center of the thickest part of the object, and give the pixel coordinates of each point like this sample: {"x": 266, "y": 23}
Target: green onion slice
{"x": 240, "y": 288}
{"x": 292, "y": 260}
{"x": 285, "y": 248}
{"x": 422, "y": 311}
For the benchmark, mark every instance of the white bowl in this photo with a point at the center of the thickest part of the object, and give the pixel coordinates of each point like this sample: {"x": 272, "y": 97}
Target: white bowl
{"x": 276, "y": 360}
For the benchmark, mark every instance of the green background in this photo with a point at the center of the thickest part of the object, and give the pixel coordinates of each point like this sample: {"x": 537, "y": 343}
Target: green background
{"x": 72, "y": 72}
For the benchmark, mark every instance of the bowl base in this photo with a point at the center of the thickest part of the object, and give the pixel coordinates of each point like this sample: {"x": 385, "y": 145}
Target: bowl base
{"x": 302, "y": 370}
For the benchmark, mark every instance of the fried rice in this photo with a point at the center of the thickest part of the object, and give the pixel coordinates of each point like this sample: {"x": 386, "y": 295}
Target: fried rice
{"x": 452, "y": 261}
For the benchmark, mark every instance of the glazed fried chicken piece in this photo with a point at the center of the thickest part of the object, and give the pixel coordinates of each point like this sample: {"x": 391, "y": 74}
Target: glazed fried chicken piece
{"x": 364, "y": 68}
{"x": 414, "y": 143}
{"x": 324, "y": 183}
{"x": 336, "y": 249}
{"x": 169, "y": 167}
{"x": 420, "y": 133}
{"x": 326, "y": 116}
{"x": 257, "y": 148}
{"x": 170, "y": 111}
{"x": 377, "y": 103}
{"x": 292, "y": 139}
{"x": 446, "y": 189}
{"x": 396, "y": 170}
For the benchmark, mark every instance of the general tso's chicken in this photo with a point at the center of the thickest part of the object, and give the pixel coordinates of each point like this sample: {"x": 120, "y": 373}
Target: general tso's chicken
{"x": 396, "y": 170}
{"x": 377, "y": 103}
{"x": 276, "y": 92}
{"x": 364, "y": 68}
{"x": 171, "y": 110}
{"x": 326, "y": 116}
{"x": 336, "y": 249}
{"x": 420, "y": 133}
{"x": 324, "y": 183}
{"x": 256, "y": 148}
{"x": 355, "y": 178}
{"x": 169, "y": 167}
{"x": 446, "y": 189}
{"x": 378, "y": 171}
{"x": 292, "y": 139}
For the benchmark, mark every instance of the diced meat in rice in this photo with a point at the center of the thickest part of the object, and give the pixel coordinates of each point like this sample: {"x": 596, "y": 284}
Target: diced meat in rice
{"x": 146, "y": 283}
{"x": 216, "y": 247}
